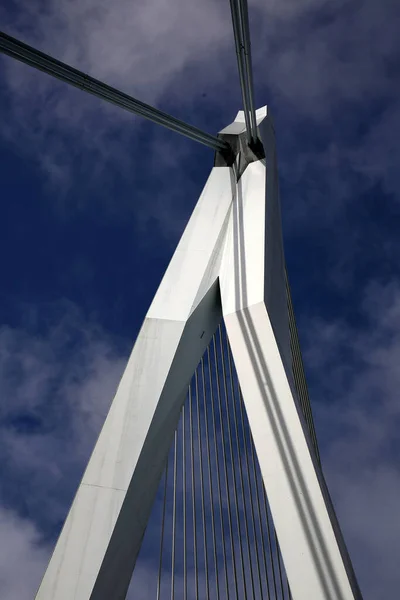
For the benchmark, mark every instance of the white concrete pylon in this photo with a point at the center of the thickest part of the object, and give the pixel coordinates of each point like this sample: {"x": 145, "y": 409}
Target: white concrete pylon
{"x": 231, "y": 251}
{"x": 252, "y": 283}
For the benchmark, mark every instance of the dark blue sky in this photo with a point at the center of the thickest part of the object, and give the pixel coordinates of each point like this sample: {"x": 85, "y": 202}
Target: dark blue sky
{"x": 93, "y": 202}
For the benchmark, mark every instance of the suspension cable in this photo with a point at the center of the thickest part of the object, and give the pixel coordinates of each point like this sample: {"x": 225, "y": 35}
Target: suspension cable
{"x": 210, "y": 481}
{"x": 34, "y": 58}
{"x": 239, "y": 460}
{"x": 196, "y": 571}
{"x": 244, "y": 16}
{"x": 162, "y": 532}
{"x": 202, "y": 496}
{"x": 241, "y": 32}
{"x": 221, "y": 512}
{"x": 224, "y": 462}
{"x": 235, "y": 487}
{"x": 184, "y": 504}
{"x": 174, "y": 517}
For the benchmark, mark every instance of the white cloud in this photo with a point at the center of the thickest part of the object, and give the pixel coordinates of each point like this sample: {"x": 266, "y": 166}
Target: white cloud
{"x": 22, "y": 559}
{"x": 311, "y": 56}
{"x": 55, "y": 389}
{"x": 355, "y": 376}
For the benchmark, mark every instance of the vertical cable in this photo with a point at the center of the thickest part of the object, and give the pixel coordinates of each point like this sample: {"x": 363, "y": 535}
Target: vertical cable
{"x": 253, "y": 460}
{"x": 225, "y": 470}
{"x": 174, "y": 518}
{"x": 196, "y": 575}
{"x": 162, "y": 533}
{"x": 184, "y": 505}
{"x": 221, "y": 513}
{"x": 298, "y": 369}
{"x": 239, "y": 460}
{"x": 210, "y": 482}
{"x": 232, "y": 462}
{"x": 288, "y": 587}
{"x": 240, "y": 402}
{"x": 203, "y": 513}
{"x": 278, "y": 554}
{"x": 269, "y": 539}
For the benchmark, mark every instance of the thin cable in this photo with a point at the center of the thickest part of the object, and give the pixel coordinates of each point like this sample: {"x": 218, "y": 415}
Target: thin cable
{"x": 196, "y": 574}
{"x": 298, "y": 370}
{"x": 210, "y": 482}
{"x": 241, "y": 65}
{"x": 235, "y": 496}
{"x": 240, "y": 402}
{"x": 239, "y": 460}
{"x": 184, "y": 505}
{"x": 253, "y": 460}
{"x": 203, "y": 512}
{"x": 278, "y": 554}
{"x": 174, "y": 518}
{"x": 34, "y": 58}
{"x": 244, "y": 17}
{"x": 162, "y": 534}
{"x": 225, "y": 470}
{"x": 221, "y": 513}
{"x": 269, "y": 539}
{"x": 288, "y": 587}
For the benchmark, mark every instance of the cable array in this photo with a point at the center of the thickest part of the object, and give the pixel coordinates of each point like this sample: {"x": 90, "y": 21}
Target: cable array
{"x": 217, "y": 540}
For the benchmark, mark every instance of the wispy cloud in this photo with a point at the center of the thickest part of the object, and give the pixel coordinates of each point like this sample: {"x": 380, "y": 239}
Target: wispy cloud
{"x": 56, "y": 386}
{"x": 20, "y": 546}
{"x": 329, "y": 72}
{"x": 355, "y": 381}
{"x": 315, "y": 59}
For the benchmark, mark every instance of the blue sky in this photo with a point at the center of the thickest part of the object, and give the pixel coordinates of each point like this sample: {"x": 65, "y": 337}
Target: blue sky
{"x": 93, "y": 202}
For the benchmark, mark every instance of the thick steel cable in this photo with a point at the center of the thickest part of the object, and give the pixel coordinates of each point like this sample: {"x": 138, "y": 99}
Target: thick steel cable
{"x": 184, "y": 504}
{"x": 221, "y": 512}
{"x": 257, "y": 487}
{"x": 278, "y": 554}
{"x": 235, "y": 495}
{"x": 244, "y": 18}
{"x": 203, "y": 512}
{"x": 39, "y": 60}
{"x": 210, "y": 480}
{"x": 253, "y": 520}
{"x": 196, "y": 574}
{"x": 239, "y": 460}
{"x": 237, "y": 34}
{"x": 174, "y": 518}
{"x": 162, "y": 534}
{"x": 228, "y": 493}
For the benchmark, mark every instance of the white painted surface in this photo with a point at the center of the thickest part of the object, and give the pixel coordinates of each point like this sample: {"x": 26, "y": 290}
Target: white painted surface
{"x": 101, "y": 538}
{"x": 307, "y": 539}
{"x": 255, "y": 313}
{"x": 235, "y": 244}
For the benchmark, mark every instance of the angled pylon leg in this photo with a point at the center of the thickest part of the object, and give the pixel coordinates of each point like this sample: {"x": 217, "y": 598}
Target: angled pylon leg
{"x": 252, "y": 280}
{"x": 99, "y": 543}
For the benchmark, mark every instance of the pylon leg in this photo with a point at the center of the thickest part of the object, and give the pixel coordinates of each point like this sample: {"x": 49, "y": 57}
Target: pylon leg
{"x": 98, "y": 546}
{"x": 255, "y": 313}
